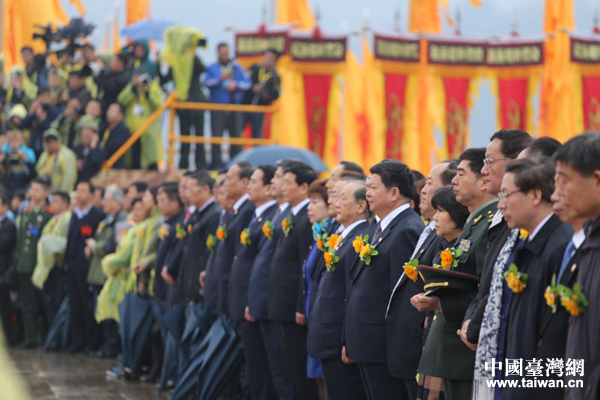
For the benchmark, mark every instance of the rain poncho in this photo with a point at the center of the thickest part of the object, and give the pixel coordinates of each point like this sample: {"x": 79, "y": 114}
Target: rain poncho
{"x": 51, "y": 247}
{"x": 179, "y": 52}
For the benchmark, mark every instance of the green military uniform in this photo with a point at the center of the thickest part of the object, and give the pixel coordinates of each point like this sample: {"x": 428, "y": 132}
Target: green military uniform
{"x": 445, "y": 355}
{"x": 30, "y": 228}
{"x": 105, "y": 242}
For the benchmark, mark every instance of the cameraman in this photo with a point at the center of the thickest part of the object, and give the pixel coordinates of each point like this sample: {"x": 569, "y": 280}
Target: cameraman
{"x": 66, "y": 123}
{"x": 39, "y": 119}
{"x": 17, "y": 162}
{"x": 140, "y": 99}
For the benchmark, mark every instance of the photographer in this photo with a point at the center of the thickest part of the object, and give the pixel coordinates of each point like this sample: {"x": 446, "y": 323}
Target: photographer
{"x": 89, "y": 155}
{"x": 113, "y": 81}
{"x": 17, "y": 163}
{"x": 140, "y": 99}
{"x": 20, "y": 89}
{"x": 77, "y": 89}
{"x": 39, "y": 119}
{"x": 58, "y": 162}
{"x": 140, "y": 51}
{"x": 34, "y": 67}
{"x": 66, "y": 123}
{"x": 58, "y": 89}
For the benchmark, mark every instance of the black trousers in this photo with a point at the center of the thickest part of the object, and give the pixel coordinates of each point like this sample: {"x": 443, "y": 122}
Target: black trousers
{"x": 54, "y": 292}
{"x": 256, "y": 121}
{"x": 187, "y": 120}
{"x": 6, "y": 313}
{"x": 32, "y": 309}
{"x": 381, "y": 385}
{"x": 219, "y": 122}
{"x": 342, "y": 381}
{"x": 82, "y": 330}
{"x": 257, "y": 363}
{"x": 277, "y": 364}
{"x": 292, "y": 338}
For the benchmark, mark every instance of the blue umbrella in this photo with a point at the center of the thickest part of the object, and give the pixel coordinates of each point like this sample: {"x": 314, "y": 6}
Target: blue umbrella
{"x": 147, "y": 29}
{"x": 273, "y": 153}
{"x": 57, "y": 335}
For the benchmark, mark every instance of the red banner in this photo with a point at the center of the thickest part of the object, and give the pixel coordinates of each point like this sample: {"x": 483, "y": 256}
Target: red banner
{"x": 512, "y": 97}
{"x": 316, "y": 98}
{"x": 395, "y": 101}
{"x": 457, "y": 115}
{"x": 591, "y": 102}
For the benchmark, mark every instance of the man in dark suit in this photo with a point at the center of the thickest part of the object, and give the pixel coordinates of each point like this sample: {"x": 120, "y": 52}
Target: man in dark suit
{"x": 427, "y": 248}
{"x": 235, "y": 188}
{"x": 286, "y": 306}
{"x": 504, "y": 146}
{"x": 258, "y": 288}
{"x": 253, "y": 241}
{"x": 194, "y": 254}
{"x": 8, "y": 241}
{"x": 84, "y": 332}
{"x": 389, "y": 192}
{"x": 444, "y": 355}
{"x": 115, "y": 135}
{"x": 342, "y": 381}
{"x": 525, "y": 202}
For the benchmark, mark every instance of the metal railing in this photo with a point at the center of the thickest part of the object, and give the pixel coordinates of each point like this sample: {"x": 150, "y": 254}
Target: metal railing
{"x": 173, "y": 105}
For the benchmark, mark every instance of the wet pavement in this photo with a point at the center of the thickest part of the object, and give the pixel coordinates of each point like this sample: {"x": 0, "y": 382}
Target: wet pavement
{"x": 76, "y": 376}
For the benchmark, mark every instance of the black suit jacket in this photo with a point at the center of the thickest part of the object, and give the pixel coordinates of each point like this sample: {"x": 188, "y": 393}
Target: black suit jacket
{"x": 365, "y": 324}
{"x": 194, "y": 254}
{"x": 164, "y": 254}
{"x": 8, "y": 241}
{"x": 537, "y": 258}
{"x": 404, "y": 348}
{"x": 241, "y": 269}
{"x": 92, "y": 161}
{"x": 211, "y": 287}
{"x": 329, "y": 304}
{"x": 285, "y": 296}
{"x": 117, "y": 138}
{"x": 79, "y": 231}
{"x": 236, "y": 223}
{"x": 260, "y": 276}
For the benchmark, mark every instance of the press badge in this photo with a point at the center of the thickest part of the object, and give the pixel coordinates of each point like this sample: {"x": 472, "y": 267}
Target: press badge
{"x": 138, "y": 110}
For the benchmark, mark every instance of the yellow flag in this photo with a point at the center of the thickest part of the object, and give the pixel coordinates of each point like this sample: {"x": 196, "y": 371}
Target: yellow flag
{"x": 115, "y": 33}
{"x": 295, "y": 12}
{"x": 354, "y": 128}
{"x": 374, "y": 107}
{"x": 79, "y": 6}
{"x": 557, "y": 106}
{"x": 137, "y": 10}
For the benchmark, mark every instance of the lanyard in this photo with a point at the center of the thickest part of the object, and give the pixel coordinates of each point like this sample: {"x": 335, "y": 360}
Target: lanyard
{"x": 263, "y": 75}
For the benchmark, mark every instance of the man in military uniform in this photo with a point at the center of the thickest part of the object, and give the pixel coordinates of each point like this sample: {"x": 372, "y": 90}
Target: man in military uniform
{"x": 30, "y": 229}
{"x": 445, "y": 355}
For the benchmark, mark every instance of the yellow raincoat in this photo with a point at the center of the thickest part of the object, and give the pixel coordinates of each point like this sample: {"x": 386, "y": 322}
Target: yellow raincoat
{"x": 51, "y": 247}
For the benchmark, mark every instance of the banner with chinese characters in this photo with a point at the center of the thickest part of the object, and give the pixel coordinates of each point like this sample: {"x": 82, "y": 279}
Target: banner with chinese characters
{"x": 585, "y": 56}
{"x": 457, "y": 115}
{"x": 316, "y": 100}
{"x": 250, "y": 46}
{"x": 514, "y": 65}
{"x": 395, "y": 104}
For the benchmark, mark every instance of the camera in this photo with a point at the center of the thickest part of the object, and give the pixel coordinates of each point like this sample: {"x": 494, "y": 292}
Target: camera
{"x": 144, "y": 79}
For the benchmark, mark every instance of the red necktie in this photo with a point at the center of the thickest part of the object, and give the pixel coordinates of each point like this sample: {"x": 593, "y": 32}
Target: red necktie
{"x": 188, "y": 214}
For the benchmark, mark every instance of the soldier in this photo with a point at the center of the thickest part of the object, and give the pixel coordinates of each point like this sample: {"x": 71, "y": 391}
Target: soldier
{"x": 30, "y": 228}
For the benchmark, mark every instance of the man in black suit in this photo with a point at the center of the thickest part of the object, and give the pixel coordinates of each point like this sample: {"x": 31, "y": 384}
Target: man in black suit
{"x": 389, "y": 192}
{"x": 253, "y": 241}
{"x": 330, "y": 282}
{"x": 115, "y": 135}
{"x": 8, "y": 241}
{"x": 84, "y": 332}
{"x": 258, "y": 288}
{"x": 286, "y": 306}
{"x": 235, "y": 188}
{"x": 428, "y": 247}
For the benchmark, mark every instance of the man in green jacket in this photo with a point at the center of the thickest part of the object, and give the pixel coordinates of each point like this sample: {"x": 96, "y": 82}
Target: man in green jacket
{"x": 58, "y": 162}
{"x": 445, "y": 355}
{"x": 30, "y": 228}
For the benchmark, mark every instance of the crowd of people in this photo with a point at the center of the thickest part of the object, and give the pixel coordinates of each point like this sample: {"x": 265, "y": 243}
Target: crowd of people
{"x": 64, "y": 118}
{"x": 378, "y": 285}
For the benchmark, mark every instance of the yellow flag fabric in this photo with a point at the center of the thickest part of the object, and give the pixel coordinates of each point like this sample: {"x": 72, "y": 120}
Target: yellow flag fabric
{"x": 19, "y": 20}
{"x": 425, "y": 16}
{"x": 79, "y": 5}
{"x": 295, "y": 12}
{"x": 375, "y": 118}
{"x": 558, "y": 116}
{"x": 115, "y": 35}
{"x": 137, "y": 10}
{"x": 354, "y": 112}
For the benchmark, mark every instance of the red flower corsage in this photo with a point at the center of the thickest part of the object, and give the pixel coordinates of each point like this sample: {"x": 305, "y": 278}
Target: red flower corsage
{"x": 87, "y": 231}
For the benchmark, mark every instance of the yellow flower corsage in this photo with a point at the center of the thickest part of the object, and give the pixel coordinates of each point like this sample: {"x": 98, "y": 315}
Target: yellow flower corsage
{"x": 245, "y": 237}
{"x": 516, "y": 280}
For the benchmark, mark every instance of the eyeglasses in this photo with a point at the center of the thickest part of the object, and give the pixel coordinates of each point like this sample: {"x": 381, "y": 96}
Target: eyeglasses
{"x": 503, "y": 196}
{"x": 490, "y": 161}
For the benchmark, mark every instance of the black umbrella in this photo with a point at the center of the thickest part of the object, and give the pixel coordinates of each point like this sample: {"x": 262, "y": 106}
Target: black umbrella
{"x": 172, "y": 328}
{"x": 198, "y": 320}
{"x": 57, "y": 335}
{"x": 138, "y": 314}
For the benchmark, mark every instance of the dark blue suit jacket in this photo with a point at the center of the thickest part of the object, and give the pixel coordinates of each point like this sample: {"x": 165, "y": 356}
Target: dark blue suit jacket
{"x": 365, "y": 325}
{"x": 242, "y": 265}
{"x": 258, "y": 288}
{"x": 329, "y": 304}
{"x": 164, "y": 254}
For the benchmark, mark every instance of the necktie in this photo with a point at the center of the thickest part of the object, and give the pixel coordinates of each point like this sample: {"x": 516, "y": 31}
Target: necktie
{"x": 376, "y": 234}
{"x": 253, "y": 220}
{"x": 569, "y": 251}
{"x": 422, "y": 239}
{"x": 188, "y": 214}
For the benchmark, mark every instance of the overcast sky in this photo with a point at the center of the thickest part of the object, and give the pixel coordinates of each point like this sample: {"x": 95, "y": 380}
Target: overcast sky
{"x": 494, "y": 18}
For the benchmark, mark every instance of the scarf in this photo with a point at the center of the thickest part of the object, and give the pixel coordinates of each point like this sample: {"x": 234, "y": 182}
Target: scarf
{"x": 487, "y": 347}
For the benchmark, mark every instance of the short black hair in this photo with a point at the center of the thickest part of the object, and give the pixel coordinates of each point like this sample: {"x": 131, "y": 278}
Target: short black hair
{"x": 136, "y": 200}
{"x": 153, "y": 191}
{"x": 246, "y": 169}
{"x": 123, "y": 58}
{"x": 582, "y": 153}
{"x": 514, "y": 141}
{"x": 304, "y": 174}
{"x": 449, "y": 173}
{"x": 171, "y": 190}
{"x": 416, "y": 197}
{"x": 43, "y": 180}
{"x": 140, "y": 186}
{"x": 534, "y": 173}
{"x": 41, "y": 91}
{"x": 360, "y": 194}
{"x": 63, "y": 195}
{"x": 88, "y": 45}
{"x": 268, "y": 173}
{"x": 543, "y": 147}
{"x": 26, "y": 48}
{"x": 475, "y": 157}
{"x": 120, "y": 107}
{"x": 202, "y": 179}
{"x": 222, "y": 44}
{"x": 445, "y": 199}
{"x": 352, "y": 166}
{"x": 288, "y": 162}
{"x": 19, "y": 194}
{"x": 222, "y": 171}
{"x": 90, "y": 186}
{"x": 4, "y": 198}
{"x": 274, "y": 52}
{"x": 395, "y": 173}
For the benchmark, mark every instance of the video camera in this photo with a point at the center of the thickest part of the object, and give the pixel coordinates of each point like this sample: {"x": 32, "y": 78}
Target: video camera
{"x": 72, "y": 33}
